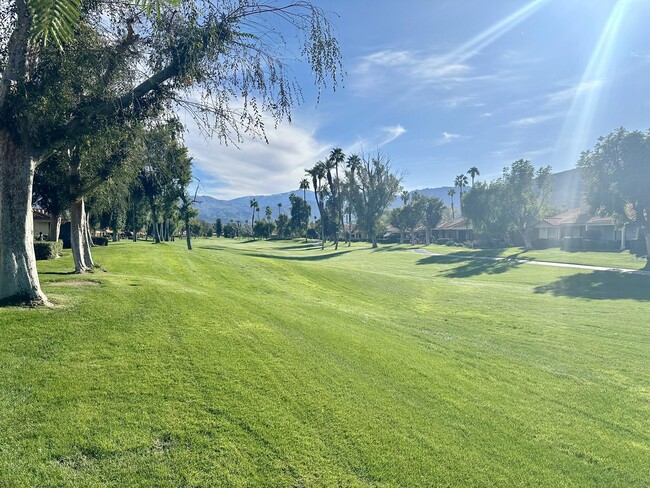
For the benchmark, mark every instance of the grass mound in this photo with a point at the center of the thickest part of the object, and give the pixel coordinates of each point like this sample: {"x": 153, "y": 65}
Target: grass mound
{"x": 277, "y": 364}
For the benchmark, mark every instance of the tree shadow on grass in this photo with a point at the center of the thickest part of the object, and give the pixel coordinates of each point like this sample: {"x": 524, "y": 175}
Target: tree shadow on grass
{"x": 300, "y": 247}
{"x": 314, "y": 257}
{"x": 391, "y": 248}
{"x": 471, "y": 266}
{"x": 56, "y": 272}
{"x": 600, "y": 285}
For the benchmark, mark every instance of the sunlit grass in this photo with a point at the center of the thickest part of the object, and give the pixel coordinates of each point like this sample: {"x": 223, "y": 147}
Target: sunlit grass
{"x": 613, "y": 259}
{"x": 276, "y": 364}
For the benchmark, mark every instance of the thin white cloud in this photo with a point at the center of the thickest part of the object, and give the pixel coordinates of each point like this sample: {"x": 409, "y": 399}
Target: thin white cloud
{"x": 392, "y": 133}
{"x": 567, "y": 94}
{"x": 536, "y": 119}
{"x": 382, "y": 137}
{"x": 644, "y": 57}
{"x": 447, "y": 138}
{"x": 383, "y": 68}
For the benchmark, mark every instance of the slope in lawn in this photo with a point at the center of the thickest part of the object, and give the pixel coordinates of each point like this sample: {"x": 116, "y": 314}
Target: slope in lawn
{"x": 275, "y": 364}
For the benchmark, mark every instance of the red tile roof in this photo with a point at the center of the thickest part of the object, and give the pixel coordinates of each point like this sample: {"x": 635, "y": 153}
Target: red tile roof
{"x": 577, "y": 216}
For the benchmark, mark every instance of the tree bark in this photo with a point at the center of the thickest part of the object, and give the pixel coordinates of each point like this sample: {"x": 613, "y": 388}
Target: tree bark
{"x": 18, "y": 275}
{"x": 373, "y": 239}
{"x": 401, "y": 237}
{"x": 78, "y": 236}
{"x": 528, "y": 245}
{"x": 88, "y": 240}
{"x": 55, "y": 228}
{"x": 427, "y": 236}
{"x": 88, "y": 236}
{"x": 188, "y": 237}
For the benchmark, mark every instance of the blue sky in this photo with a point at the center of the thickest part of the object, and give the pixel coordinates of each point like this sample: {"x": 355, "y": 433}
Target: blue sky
{"x": 443, "y": 85}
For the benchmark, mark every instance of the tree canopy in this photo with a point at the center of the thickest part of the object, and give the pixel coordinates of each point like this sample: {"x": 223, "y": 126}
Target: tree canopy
{"x": 221, "y": 61}
{"x": 616, "y": 174}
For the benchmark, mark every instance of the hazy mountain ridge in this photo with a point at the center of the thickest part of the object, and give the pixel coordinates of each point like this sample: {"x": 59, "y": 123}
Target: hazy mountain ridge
{"x": 567, "y": 193}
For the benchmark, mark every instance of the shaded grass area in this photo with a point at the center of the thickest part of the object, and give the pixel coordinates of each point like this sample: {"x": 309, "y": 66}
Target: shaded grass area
{"x": 613, "y": 259}
{"x": 277, "y": 364}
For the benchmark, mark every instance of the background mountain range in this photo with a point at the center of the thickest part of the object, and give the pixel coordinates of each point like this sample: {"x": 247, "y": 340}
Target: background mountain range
{"x": 567, "y": 193}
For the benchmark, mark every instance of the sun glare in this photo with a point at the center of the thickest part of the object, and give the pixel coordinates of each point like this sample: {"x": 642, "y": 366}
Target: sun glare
{"x": 576, "y": 133}
{"x": 492, "y": 33}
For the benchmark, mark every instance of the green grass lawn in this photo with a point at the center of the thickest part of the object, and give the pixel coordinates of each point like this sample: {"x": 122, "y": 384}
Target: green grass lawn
{"x": 277, "y": 364}
{"x": 613, "y": 259}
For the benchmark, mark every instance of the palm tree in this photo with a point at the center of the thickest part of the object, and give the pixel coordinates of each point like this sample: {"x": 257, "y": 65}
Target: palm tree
{"x": 304, "y": 186}
{"x": 255, "y": 206}
{"x": 337, "y": 157}
{"x": 317, "y": 174}
{"x": 461, "y": 182}
{"x": 269, "y": 213}
{"x": 451, "y": 192}
{"x": 405, "y": 196}
{"x": 353, "y": 163}
{"x": 279, "y": 209}
{"x": 473, "y": 172}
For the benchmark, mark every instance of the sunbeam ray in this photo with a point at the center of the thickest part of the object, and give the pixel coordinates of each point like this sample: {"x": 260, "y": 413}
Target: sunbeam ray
{"x": 577, "y": 127}
{"x": 491, "y": 34}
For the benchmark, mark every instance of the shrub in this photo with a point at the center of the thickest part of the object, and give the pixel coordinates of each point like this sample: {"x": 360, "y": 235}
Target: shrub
{"x": 572, "y": 243}
{"x": 100, "y": 241}
{"x": 450, "y": 243}
{"x": 47, "y": 249}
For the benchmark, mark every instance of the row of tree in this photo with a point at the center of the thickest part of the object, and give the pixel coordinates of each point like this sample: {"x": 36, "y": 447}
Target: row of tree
{"x": 515, "y": 202}
{"x": 363, "y": 186}
{"x": 417, "y": 210}
{"x": 110, "y": 67}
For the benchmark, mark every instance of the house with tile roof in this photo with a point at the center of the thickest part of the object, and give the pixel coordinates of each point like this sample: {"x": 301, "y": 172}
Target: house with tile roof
{"x": 580, "y": 223}
{"x": 456, "y": 229}
{"x": 41, "y": 222}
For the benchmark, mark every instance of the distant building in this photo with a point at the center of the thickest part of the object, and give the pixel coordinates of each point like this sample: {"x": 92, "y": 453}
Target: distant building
{"x": 41, "y": 222}
{"x": 580, "y": 223}
{"x": 456, "y": 229}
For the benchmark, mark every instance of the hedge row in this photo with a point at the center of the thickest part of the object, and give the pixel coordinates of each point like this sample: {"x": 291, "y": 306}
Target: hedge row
{"x": 47, "y": 249}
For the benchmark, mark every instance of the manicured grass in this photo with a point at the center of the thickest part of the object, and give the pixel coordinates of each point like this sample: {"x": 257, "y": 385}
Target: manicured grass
{"x": 613, "y": 259}
{"x": 277, "y": 364}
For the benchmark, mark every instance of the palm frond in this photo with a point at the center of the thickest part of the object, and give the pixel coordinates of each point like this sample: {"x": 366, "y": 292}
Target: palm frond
{"x": 55, "y": 19}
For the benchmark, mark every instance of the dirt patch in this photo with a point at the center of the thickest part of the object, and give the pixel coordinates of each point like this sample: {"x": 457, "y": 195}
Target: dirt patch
{"x": 75, "y": 283}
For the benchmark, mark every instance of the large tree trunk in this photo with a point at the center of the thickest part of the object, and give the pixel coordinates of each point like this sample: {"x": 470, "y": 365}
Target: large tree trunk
{"x": 89, "y": 238}
{"x": 55, "y": 228}
{"x": 528, "y": 245}
{"x": 78, "y": 237}
{"x": 188, "y": 237}
{"x": 87, "y": 244}
{"x": 154, "y": 217}
{"x": 427, "y": 236}
{"x": 401, "y": 237}
{"x": 373, "y": 239}
{"x": 18, "y": 276}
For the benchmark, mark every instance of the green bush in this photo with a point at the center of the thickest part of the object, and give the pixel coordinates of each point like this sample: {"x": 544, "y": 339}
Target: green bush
{"x": 450, "y": 243}
{"x": 100, "y": 241}
{"x": 47, "y": 249}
